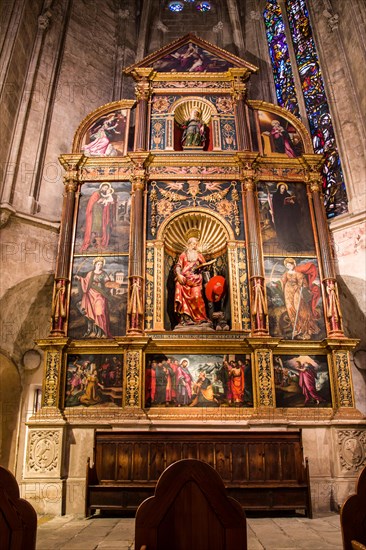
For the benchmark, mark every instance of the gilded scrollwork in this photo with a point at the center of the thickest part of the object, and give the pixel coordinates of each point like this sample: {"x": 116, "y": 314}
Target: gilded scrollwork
{"x": 169, "y": 196}
{"x": 149, "y": 288}
{"x": 265, "y": 383}
{"x": 133, "y": 361}
{"x": 352, "y": 449}
{"x": 243, "y": 285}
{"x": 343, "y": 379}
{"x": 52, "y": 378}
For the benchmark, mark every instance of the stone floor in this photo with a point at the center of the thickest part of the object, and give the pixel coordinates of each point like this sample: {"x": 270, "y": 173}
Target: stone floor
{"x": 282, "y": 533}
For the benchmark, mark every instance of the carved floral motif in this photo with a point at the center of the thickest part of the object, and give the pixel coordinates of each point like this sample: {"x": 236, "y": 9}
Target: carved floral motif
{"x": 132, "y": 379}
{"x": 265, "y": 379}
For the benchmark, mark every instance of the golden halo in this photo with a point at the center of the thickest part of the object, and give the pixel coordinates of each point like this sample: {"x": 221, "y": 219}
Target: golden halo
{"x": 289, "y": 261}
{"x": 99, "y": 259}
{"x": 282, "y": 183}
{"x": 193, "y": 233}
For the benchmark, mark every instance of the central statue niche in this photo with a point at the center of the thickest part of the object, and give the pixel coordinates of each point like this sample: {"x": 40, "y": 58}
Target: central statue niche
{"x": 192, "y": 118}
{"x": 196, "y": 273}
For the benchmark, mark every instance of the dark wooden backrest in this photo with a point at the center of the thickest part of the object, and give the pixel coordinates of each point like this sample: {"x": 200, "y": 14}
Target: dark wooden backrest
{"x": 18, "y": 519}
{"x": 190, "y": 510}
{"x": 353, "y": 515}
{"x": 238, "y": 457}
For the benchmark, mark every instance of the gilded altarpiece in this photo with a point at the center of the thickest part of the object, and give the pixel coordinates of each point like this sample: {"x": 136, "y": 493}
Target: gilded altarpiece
{"x": 195, "y": 279}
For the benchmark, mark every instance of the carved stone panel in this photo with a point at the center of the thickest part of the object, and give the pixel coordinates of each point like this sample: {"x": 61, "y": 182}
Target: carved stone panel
{"x": 44, "y": 453}
{"x": 352, "y": 450}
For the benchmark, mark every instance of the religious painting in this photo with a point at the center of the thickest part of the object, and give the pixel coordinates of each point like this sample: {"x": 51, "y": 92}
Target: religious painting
{"x": 94, "y": 380}
{"x": 103, "y": 224}
{"x": 295, "y": 306}
{"x": 191, "y": 58}
{"x": 302, "y": 381}
{"x": 98, "y": 297}
{"x": 198, "y": 380}
{"x": 279, "y": 136}
{"x": 107, "y": 136}
{"x": 285, "y": 221}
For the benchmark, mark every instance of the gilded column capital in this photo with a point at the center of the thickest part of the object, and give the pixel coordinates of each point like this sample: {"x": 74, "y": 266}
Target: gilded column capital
{"x": 73, "y": 162}
{"x": 239, "y": 76}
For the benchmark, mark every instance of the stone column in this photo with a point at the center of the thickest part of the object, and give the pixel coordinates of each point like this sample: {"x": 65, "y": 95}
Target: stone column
{"x": 332, "y": 307}
{"x": 142, "y": 91}
{"x": 135, "y": 309}
{"x": 238, "y": 93}
{"x": 72, "y": 164}
{"x": 259, "y": 311}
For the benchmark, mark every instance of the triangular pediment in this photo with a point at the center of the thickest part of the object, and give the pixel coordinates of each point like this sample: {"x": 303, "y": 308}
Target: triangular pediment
{"x": 192, "y": 55}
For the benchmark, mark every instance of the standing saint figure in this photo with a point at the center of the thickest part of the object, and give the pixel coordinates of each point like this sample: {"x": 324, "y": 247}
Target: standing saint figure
{"x": 189, "y": 304}
{"x": 301, "y": 298}
{"x": 100, "y": 217}
{"x": 94, "y": 303}
{"x": 194, "y": 130}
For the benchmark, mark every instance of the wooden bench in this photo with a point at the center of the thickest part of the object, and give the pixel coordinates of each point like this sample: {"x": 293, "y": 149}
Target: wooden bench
{"x": 264, "y": 471}
{"x": 18, "y": 519}
{"x": 353, "y": 517}
{"x": 190, "y": 509}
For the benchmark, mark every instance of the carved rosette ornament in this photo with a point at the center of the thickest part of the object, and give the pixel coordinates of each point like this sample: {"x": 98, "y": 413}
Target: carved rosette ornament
{"x": 133, "y": 361}
{"x": 352, "y": 450}
{"x": 265, "y": 383}
{"x": 343, "y": 379}
{"x": 43, "y": 453}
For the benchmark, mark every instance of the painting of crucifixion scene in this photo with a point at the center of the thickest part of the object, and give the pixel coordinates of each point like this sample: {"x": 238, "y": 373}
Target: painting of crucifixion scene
{"x": 302, "y": 381}
{"x": 198, "y": 381}
{"x": 285, "y": 218}
{"x": 98, "y": 297}
{"x": 295, "y": 306}
{"x": 107, "y": 137}
{"x": 103, "y": 224}
{"x": 94, "y": 380}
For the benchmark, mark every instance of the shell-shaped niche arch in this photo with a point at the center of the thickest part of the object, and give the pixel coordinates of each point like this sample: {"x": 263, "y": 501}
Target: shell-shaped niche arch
{"x": 183, "y": 110}
{"x": 214, "y": 232}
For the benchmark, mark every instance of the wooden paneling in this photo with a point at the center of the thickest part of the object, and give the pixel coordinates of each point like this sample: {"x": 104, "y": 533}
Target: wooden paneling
{"x": 263, "y": 470}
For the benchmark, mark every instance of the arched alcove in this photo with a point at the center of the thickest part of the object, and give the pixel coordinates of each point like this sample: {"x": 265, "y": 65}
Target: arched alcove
{"x": 10, "y": 395}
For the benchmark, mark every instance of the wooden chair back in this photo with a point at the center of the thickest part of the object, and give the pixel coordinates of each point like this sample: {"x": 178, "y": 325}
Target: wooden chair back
{"x": 190, "y": 509}
{"x": 18, "y": 519}
{"x": 353, "y": 516}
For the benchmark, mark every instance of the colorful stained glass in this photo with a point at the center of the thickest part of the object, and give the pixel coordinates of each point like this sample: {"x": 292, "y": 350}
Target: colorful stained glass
{"x": 317, "y": 108}
{"x": 176, "y": 6}
{"x": 281, "y": 64}
{"x": 203, "y": 6}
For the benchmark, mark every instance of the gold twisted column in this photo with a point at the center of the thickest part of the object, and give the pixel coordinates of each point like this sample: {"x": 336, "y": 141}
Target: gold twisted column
{"x": 259, "y": 310}
{"x": 143, "y": 92}
{"x": 72, "y": 165}
{"x": 135, "y": 308}
{"x": 332, "y": 306}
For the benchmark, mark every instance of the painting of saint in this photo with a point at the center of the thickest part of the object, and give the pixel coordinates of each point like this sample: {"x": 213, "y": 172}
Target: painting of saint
{"x": 301, "y": 381}
{"x": 278, "y": 136}
{"x": 94, "y": 380}
{"x": 285, "y": 218}
{"x": 190, "y": 58}
{"x": 107, "y": 136}
{"x": 198, "y": 381}
{"x": 98, "y": 297}
{"x": 294, "y": 299}
{"x": 104, "y": 218}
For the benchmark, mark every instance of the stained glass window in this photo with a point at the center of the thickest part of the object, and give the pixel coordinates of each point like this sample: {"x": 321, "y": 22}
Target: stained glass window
{"x": 281, "y": 64}
{"x": 315, "y": 99}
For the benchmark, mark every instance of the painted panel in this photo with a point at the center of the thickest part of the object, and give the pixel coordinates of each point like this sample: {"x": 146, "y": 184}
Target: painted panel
{"x": 108, "y": 136}
{"x": 198, "y": 380}
{"x": 285, "y": 221}
{"x": 278, "y": 136}
{"x": 191, "y": 58}
{"x": 98, "y": 297}
{"x": 94, "y": 380}
{"x": 103, "y": 224}
{"x": 302, "y": 381}
{"x": 294, "y": 298}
